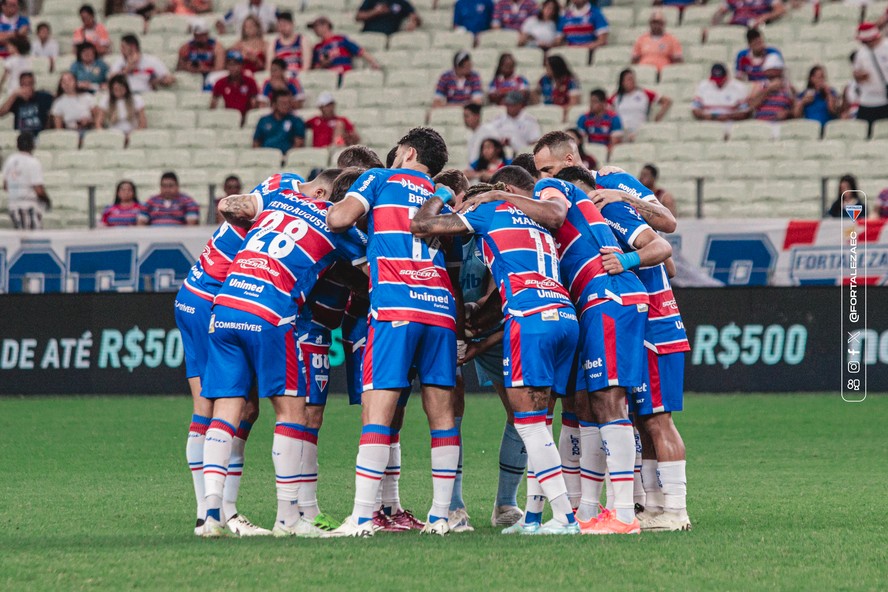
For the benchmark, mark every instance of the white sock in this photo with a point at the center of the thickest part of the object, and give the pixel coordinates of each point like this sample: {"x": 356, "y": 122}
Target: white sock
{"x": 608, "y": 492}
{"x": 569, "y": 449}
{"x": 533, "y": 511}
{"x": 637, "y": 486}
{"x": 653, "y": 493}
{"x": 674, "y": 484}
{"x": 308, "y": 483}
{"x": 235, "y": 469}
{"x": 194, "y": 449}
{"x": 217, "y": 452}
{"x": 286, "y": 453}
{"x": 592, "y": 468}
{"x": 391, "y": 498}
{"x": 619, "y": 448}
{"x": 546, "y": 462}
{"x": 445, "y": 460}
{"x": 373, "y": 454}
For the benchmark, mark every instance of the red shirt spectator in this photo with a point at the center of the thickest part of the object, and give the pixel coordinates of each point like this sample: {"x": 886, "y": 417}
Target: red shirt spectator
{"x": 236, "y": 90}
{"x": 511, "y": 14}
{"x": 328, "y": 128}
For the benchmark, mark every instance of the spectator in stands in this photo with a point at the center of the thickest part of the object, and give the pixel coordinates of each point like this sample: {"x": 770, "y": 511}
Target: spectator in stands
{"x": 600, "y": 124}
{"x": 12, "y": 24}
{"x": 144, "y": 72}
{"x": 335, "y": 52}
{"x": 750, "y": 13}
{"x": 121, "y": 109}
{"x": 44, "y": 46}
{"x": 558, "y": 86}
{"x": 819, "y": 101}
{"x": 493, "y": 158}
{"x": 90, "y": 70}
{"x": 142, "y": 8}
{"x": 516, "y": 128}
{"x": 587, "y": 159}
{"x": 279, "y": 82}
{"x": 18, "y": 62}
{"x": 635, "y": 105}
{"x": 126, "y": 209}
{"x": 582, "y": 25}
{"x": 189, "y": 7}
{"x": 231, "y": 186}
{"x": 387, "y": 16}
{"x": 330, "y": 129}
{"x": 749, "y": 62}
{"x": 23, "y": 181}
{"x": 170, "y": 207}
{"x": 648, "y": 176}
{"x": 29, "y": 106}
{"x": 657, "y": 48}
{"x": 280, "y": 129}
{"x": 475, "y": 132}
{"x": 541, "y": 30}
{"x": 289, "y": 46}
{"x": 237, "y": 90}
{"x": 871, "y": 74}
{"x": 459, "y": 86}
{"x": 72, "y": 109}
{"x": 772, "y": 99}
{"x": 505, "y": 80}
{"x": 720, "y": 98}
{"x": 234, "y": 18}
{"x": 511, "y": 14}
{"x": 201, "y": 54}
{"x": 252, "y": 45}
{"x": 92, "y": 31}
{"x": 848, "y": 195}
{"x": 880, "y": 211}
{"x": 473, "y": 15}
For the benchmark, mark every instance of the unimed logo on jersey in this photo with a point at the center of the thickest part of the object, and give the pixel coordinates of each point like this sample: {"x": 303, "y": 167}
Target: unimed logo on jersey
{"x": 426, "y": 273}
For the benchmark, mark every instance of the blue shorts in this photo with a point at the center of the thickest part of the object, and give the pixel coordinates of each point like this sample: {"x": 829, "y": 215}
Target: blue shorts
{"x": 193, "y": 320}
{"x": 612, "y": 346}
{"x": 539, "y": 349}
{"x": 394, "y": 347}
{"x": 489, "y": 366}
{"x": 243, "y": 346}
{"x": 663, "y": 388}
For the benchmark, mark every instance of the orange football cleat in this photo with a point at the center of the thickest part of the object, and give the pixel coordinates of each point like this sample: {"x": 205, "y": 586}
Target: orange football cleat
{"x": 608, "y": 524}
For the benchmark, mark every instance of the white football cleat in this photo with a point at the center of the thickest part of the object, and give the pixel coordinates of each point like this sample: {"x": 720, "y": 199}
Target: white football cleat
{"x": 667, "y": 522}
{"x": 198, "y": 527}
{"x": 212, "y": 528}
{"x": 240, "y": 525}
{"x": 506, "y": 516}
{"x": 439, "y": 527}
{"x": 647, "y": 516}
{"x": 555, "y": 527}
{"x": 351, "y": 528}
{"x": 458, "y": 521}
{"x": 522, "y": 528}
{"x": 300, "y": 528}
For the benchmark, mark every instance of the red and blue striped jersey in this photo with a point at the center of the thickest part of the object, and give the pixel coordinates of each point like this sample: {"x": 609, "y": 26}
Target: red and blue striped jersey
{"x": 746, "y": 11}
{"x": 776, "y": 103}
{"x": 521, "y": 256}
{"x": 579, "y": 241}
{"x": 337, "y": 53}
{"x": 159, "y": 211}
{"x": 599, "y": 128}
{"x": 290, "y": 53}
{"x": 120, "y": 215}
{"x": 751, "y": 65}
{"x": 277, "y": 182}
{"x": 209, "y": 272}
{"x": 11, "y": 25}
{"x": 408, "y": 275}
{"x": 283, "y": 255}
{"x": 459, "y": 91}
{"x": 664, "y": 332}
{"x": 507, "y": 14}
{"x": 502, "y": 85}
{"x": 195, "y": 53}
{"x": 582, "y": 26}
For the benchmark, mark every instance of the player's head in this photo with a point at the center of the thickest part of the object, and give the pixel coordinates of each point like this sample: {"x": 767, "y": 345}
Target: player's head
{"x": 454, "y": 179}
{"x": 343, "y": 181}
{"x": 390, "y": 157}
{"x": 358, "y": 156}
{"x": 422, "y": 149}
{"x": 25, "y": 142}
{"x": 516, "y": 179}
{"x": 555, "y": 151}
{"x": 579, "y": 176}
{"x": 525, "y": 161}
{"x": 321, "y": 186}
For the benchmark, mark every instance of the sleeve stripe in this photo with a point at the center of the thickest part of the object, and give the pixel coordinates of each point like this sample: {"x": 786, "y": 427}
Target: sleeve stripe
{"x": 636, "y": 232}
{"x": 360, "y": 198}
{"x": 466, "y": 222}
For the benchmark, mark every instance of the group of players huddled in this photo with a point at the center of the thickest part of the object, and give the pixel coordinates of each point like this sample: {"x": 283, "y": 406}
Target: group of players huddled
{"x": 553, "y": 279}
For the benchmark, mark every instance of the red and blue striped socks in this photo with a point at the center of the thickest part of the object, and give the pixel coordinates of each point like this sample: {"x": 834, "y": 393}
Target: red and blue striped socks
{"x": 286, "y": 453}
{"x": 194, "y": 453}
{"x": 569, "y": 449}
{"x": 445, "y": 462}
{"x": 618, "y": 443}
{"x": 217, "y": 453}
{"x": 235, "y": 469}
{"x": 545, "y": 461}
{"x": 308, "y": 484}
{"x": 373, "y": 456}
{"x": 593, "y": 465}
{"x": 390, "y": 496}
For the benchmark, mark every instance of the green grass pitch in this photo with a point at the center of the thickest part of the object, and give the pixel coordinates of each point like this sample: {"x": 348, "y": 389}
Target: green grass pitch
{"x": 786, "y": 493}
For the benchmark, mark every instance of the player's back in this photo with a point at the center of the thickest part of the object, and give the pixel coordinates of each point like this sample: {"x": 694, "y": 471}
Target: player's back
{"x": 210, "y": 270}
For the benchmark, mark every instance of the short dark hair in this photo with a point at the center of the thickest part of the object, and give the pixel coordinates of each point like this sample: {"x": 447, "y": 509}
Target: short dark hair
{"x": 277, "y": 94}
{"x": 43, "y": 25}
{"x": 232, "y": 178}
{"x": 652, "y": 169}
{"x": 525, "y": 161}
{"x": 752, "y": 35}
{"x": 473, "y": 108}
{"x": 576, "y": 173}
{"x": 358, "y": 156}
{"x": 390, "y": 157}
{"x": 552, "y": 140}
{"x": 345, "y": 179}
{"x": 81, "y": 47}
{"x": 169, "y": 175}
{"x": 599, "y": 94}
{"x": 120, "y": 184}
{"x": 25, "y": 142}
{"x": 327, "y": 175}
{"x": 131, "y": 39}
{"x": 455, "y": 179}
{"x": 279, "y": 62}
{"x": 24, "y": 75}
{"x": 21, "y": 44}
{"x": 515, "y": 176}
{"x": 285, "y": 15}
{"x": 431, "y": 150}
{"x": 88, "y": 9}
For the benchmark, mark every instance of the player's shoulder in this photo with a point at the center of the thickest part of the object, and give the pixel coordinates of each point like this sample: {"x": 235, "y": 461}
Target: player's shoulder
{"x": 562, "y": 186}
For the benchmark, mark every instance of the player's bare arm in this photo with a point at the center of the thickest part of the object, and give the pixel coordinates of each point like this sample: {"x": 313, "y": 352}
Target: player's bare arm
{"x": 476, "y": 349}
{"x": 670, "y": 267}
{"x": 651, "y": 249}
{"x": 239, "y": 210}
{"x": 342, "y": 215}
{"x": 428, "y": 221}
{"x": 654, "y": 213}
{"x": 548, "y": 213}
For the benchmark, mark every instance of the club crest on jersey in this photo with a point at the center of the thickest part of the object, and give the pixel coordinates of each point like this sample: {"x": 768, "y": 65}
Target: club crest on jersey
{"x": 258, "y": 263}
{"x": 321, "y": 380}
{"x": 854, "y": 211}
{"x": 426, "y": 273}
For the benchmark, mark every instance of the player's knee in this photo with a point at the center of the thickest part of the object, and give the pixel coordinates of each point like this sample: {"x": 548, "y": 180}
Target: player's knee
{"x": 314, "y": 416}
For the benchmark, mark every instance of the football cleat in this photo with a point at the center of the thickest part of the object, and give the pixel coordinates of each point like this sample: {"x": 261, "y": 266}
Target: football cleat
{"x": 667, "y": 522}
{"x": 212, "y": 528}
{"x": 240, "y": 525}
{"x": 439, "y": 527}
{"x": 646, "y": 516}
{"x": 300, "y": 528}
{"x": 326, "y": 522}
{"x": 554, "y": 527}
{"x": 351, "y": 528}
{"x": 522, "y": 528}
{"x": 607, "y": 523}
{"x": 382, "y": 522}
{"x": 198, "y": 527}
{"x": 458, "y": 521}
{"x": 505, "y": 516}
{"x": 406, "y": 518}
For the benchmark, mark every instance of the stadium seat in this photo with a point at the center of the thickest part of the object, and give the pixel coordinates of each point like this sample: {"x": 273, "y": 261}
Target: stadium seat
{"x": 125, "y": 159}
{"x": 152, "y": 138}
{"x": 260, "y": 157}
{"x": 845, "y": 129}
{"x": 498, "y": 38}
{"x": 45, "y": 157}
{"x": 168, "y": 24}
{"x": 76, "y": 159}
{"x": 877, "y": 150}
{"x": 705, "y": 169}
{"x": 575, "y": 56}
{"x": 122, "y": 24}
{"x": 225, "y": 119}
{"x": 726, "y": 35}
{"x": 214, "y": 158}
{"x": 92, "y": 178}
{"x": 839, "y": 12}
{"x": 696, "y": 15}
{"x": 612, "y": 56}
{"x": 171, "y": 158}
{"x": 412, "y": 41}
{"x": 317, "y": 81}
{"x": 796, "y": 169}
{"x": 800, "y": 129}
{"x": 160, "y": 100}
{"x": 633, "y": 152}
{"x": 454, "y": 40}
{"x": 403, "y": 119}
{"x": 196, "y": 100}
{"x": 105, "y": 139}
{"x": 708, "y": 54}
{"x": 58, "y": 140}
{"x": 657, "y": 132}
{"x": 737, "y": 150}
{"x": 823, "y": 150}
{"x": 752, "y": 130}
{"x": 801, "y": 53}
{"x": 880, "y": 130}
{"x": 178, "y": 119}
{"x": 372, "y": 42}
{"x": 446, "y": 115}
{"x": 706, "y": 131}
{"x": 547, "y": 115}
{"x": 685, "y": 73}
{"x": 722, "y": 191}
{"x": 195, "y": 138}
{"x": 305, "y": 159}
{"x": 364, "y": 79}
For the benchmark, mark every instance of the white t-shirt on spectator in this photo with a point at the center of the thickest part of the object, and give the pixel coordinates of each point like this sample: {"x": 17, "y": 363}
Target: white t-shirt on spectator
{"x": 123, "y": 124}
{"x": 265, "y": 12}
{"x": 73, "y": 108}
{"x": 719, "y": 101}
{"x": 521, "y": 131}
{"x": 14, "y": 65}
{"x": 49, "y": 50}
{"x": 543, "y": 32}
{"x": 872, "y": 90}
{"x": 474, "y": 139}
{"x": 21, "y": 172}
{"x": 634, "y": 108}
{"x": 149, "y": 68}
